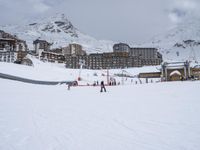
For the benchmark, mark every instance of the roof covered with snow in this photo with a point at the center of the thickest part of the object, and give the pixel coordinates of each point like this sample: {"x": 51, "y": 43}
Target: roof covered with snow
{"x": 176, "y": 72}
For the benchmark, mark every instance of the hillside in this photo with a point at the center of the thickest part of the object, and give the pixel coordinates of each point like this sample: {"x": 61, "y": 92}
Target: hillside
{"x": 182, "y": 42}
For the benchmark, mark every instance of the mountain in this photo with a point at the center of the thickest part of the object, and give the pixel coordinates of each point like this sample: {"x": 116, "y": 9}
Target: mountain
{"x": 59, "y": 31}
{"x": 181, "y": 42}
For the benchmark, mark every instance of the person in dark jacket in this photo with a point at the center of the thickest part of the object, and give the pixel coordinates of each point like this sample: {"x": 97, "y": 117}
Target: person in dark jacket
{"x": 102, "y": 87}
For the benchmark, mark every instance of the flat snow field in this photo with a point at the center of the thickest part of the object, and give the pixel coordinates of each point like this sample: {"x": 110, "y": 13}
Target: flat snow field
{"x": 156, "y": 116}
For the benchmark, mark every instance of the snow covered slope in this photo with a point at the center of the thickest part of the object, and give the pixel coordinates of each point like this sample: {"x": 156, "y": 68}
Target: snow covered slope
{"x": 34, "y": 117}
{"x": 150, "y": 116}
{"x": 181, "y": 42}
{"x": 58, "y": 72}
{"x": 59, "y": 31}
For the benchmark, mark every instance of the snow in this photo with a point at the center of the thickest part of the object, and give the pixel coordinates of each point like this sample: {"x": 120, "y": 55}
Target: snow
{"x": 47, "y": 29}
{"x": 143, "y": 117}
{"x": 176, "y": 72}
{"x": 58, "y": 72}
{"x": 188, "y": 29}
{"x": 149, "y": 116}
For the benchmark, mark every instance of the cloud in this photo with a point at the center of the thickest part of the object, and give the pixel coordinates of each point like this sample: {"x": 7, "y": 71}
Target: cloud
{"x": 24, "y": 6}
{"x": 40, "y": 7}
{"x": 19, "y": 11}
{"x": 118, "y": 20}
{"x": 54, "y": 3}
{"x": 181, "y": 9}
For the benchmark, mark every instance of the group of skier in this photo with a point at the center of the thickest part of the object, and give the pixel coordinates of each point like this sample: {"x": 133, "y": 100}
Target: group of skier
{"x": 102, "y": 85}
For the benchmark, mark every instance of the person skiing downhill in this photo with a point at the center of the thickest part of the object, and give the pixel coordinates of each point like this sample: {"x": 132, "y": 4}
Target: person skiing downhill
{"x": 102, "y": 87}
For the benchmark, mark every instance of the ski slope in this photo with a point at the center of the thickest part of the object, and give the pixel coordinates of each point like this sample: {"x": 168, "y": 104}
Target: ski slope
{"x": 58, "y": 72}
{"x": 142, "y": 117}
{"x": 131, "y": 116}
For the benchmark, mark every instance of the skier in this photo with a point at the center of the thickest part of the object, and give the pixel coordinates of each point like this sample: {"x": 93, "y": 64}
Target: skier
{"x": 102, "y": 87}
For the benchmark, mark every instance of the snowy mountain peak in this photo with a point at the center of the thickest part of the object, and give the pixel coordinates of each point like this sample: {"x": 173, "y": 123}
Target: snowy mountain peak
{"x": 59, "y": 31}
{"x": 55, "y": 24}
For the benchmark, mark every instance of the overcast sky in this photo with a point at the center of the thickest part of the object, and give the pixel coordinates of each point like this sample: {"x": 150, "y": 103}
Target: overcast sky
{"x": 131, "y": 21}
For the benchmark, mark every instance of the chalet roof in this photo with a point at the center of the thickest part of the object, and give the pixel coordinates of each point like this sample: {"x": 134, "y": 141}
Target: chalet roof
{"x": 175, "y": 72}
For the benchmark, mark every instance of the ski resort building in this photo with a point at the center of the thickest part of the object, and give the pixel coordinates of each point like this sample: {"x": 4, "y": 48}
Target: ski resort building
{"x": 122, "y": 56}
{"x": 121, "y": 47}
{"x": 112, "y": 60}
{"x": 76, "y": 61}
{"x": 52, "y": 57}
{"x": 10, "y": 46}
{"x": 7, "y": 56}
{"x": 57, "y": 50}
{"x": 41, "y": 45}
{"x": 74, "y": 50}
{"x": 42, "y": 49}
{"x": 148, "y": 56}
